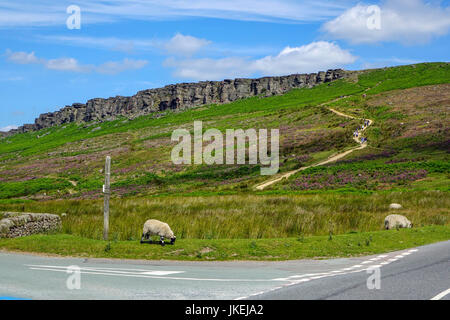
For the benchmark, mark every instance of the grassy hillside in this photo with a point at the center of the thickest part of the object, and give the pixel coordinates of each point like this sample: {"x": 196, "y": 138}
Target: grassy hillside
{"x": 67, "y": 161}
{"x": 60, "y": 169}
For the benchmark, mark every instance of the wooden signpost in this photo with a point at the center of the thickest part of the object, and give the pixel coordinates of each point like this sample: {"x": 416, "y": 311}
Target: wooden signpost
{"x": 107, "y": 193}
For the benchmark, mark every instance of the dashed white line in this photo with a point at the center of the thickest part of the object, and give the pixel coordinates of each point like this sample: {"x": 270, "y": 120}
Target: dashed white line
{"x": 295, "y": 279}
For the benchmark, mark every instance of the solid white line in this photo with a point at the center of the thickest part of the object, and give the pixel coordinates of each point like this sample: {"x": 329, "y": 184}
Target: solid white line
{"x": 441, "y": 295}
{"x": 158, "y": 277}
{"x": 303, "y": 280}
{"x": 113, "y": 270}
{"x": 306, "y": 275}
{"x": 65, "y": 267}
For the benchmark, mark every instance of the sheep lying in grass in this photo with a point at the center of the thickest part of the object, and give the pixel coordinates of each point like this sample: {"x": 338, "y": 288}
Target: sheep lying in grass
{"x": 393, "y": 221}
{"x": 157, "y": 228}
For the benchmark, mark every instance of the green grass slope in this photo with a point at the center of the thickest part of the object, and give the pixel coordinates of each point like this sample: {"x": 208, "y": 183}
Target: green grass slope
{"x": 60, "y": 169}
{"x": 67, "y": 161}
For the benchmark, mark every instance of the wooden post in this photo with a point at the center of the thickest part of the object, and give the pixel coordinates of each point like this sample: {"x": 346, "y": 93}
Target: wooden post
{"x": 106, "y": 191}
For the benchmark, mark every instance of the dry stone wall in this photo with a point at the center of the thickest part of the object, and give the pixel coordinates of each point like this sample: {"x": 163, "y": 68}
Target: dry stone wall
{"x": 15, "y": 224}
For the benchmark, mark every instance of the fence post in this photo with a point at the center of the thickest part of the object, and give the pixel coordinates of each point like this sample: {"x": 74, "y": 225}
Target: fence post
{"x": 106, "y": 191}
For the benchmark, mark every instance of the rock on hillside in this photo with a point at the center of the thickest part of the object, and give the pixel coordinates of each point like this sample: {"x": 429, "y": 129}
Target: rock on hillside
{"x": 178, "y": 96}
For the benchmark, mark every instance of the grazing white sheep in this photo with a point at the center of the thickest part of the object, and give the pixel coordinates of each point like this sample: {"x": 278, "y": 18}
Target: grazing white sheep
{"x": 393, "y": 221}
{"x": 395, "y": 206}
{"x": 154, "y": 227}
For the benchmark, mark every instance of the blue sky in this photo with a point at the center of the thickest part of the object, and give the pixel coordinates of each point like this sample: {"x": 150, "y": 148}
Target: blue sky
{"x": 124, "y": 46}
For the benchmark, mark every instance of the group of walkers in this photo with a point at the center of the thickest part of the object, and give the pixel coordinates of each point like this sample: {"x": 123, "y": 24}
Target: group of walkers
{"x": 356, "y": 133}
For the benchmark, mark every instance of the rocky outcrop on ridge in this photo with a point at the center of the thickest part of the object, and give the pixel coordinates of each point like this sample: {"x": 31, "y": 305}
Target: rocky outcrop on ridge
{"x": 178, "y": 97}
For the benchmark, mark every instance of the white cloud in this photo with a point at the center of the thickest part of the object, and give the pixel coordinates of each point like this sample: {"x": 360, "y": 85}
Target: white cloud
{"x": 7, "y": 128}
{"x": 114, "y": 67}
{"x": 179, "y": 44}
{"x": 185, "y": 45}
{"x": 210, "y": 69}
{"x": 21, "y": 57}
{"x": 406, "y": 21}
{"x": 24, "y": 13}
{"x": 110, "y": 43}
{"x": 72, "y": 65}
{"x": 312, "y": 57}
{"x": 158, "y": 45}
{"x": 50, "y": 12}
{"x": 65, "y": 64}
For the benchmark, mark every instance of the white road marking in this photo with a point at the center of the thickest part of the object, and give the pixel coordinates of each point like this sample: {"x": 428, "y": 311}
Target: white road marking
{"x": 114, "y": 270}
{"x": 140, "y": 274}
{"x": 353, "y": 269}
{"x": 441, "y": 295}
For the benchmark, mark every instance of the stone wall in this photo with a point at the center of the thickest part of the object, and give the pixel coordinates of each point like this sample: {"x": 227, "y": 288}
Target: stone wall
{"x": 178, "y": 96}
{"x": 15, "y": 224}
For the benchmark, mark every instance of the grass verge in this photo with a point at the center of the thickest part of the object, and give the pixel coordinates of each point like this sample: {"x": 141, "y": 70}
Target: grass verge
{"x": 317, "y": 247}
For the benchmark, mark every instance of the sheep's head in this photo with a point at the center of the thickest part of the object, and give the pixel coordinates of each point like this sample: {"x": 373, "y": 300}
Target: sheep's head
{"x": 172, "y": 240}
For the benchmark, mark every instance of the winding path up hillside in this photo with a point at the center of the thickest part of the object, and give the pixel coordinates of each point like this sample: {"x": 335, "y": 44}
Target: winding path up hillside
{"x": 331, "y": 159}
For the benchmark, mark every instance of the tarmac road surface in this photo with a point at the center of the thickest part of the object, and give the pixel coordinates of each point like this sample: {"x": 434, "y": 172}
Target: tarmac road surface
{"x": 418, "y": 273}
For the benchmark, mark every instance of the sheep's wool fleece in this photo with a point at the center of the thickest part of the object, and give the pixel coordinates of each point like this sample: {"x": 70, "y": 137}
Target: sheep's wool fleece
{"x": 394, "y": 220}
{"x": 156, "y": 227}
{"x": 395, "y": 206}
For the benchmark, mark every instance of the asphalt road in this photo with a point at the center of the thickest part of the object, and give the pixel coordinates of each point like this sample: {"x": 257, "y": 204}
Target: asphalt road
{"x": 419, "y": 273}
